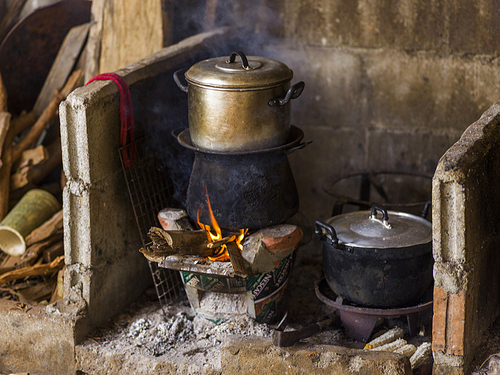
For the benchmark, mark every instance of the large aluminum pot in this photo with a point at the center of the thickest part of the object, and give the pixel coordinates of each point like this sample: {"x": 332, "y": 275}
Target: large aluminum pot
{"x": 377, "y": 262}
{"x": 239, "y": 105}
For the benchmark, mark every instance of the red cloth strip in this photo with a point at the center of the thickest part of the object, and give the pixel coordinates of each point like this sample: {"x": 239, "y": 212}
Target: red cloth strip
{"x": 126, "y": 116}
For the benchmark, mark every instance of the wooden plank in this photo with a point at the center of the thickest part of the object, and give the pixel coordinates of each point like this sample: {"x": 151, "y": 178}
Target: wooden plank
{"x": 3, "y": 96}
{"x": 55, "y": 158}
{"x": 48, "y": 114}
{"x": 58, "y": 292}
{"x": 11, "y": 17}
{"x": 168, "y": 7}
{"x": 131, "y": 31}
{"x": 62, "y": 65}
{"x": 32, "y": 156}
{"x": 53, "y": 252}
{"x": 210, "y": 13}
{"x": 4, "y": 128}
{"x": 93, "y": 47}
{"x": 21, "y": 178}
{"x": 36, "y": 270}
{"x": 40, "y": 291}
{"x": 46, "y": 230}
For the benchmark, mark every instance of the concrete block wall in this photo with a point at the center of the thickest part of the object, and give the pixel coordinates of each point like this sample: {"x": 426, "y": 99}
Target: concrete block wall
{"x": 466, "y": 235}
{"x": 389, "y": 84}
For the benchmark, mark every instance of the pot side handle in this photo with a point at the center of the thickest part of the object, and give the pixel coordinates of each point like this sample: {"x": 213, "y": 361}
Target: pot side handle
{"x": 426, "y": 209}
{"x": 326, "y": 233}
{"x": 298, "y": 147}
{"x": 292, "y": 93}
{"x": 178, "y": 80}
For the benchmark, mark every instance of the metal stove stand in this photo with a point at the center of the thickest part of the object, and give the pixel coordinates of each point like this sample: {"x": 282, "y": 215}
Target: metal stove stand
{"x": 359, "y": 322}
{"x": 151, "y": 190}
{"x": 373, "y": 189}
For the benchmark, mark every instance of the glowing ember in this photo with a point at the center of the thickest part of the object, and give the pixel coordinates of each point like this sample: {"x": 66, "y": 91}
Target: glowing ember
{"x": 221, "y": 254}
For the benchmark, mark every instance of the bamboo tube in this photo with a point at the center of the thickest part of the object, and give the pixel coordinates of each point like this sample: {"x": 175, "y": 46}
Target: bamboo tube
{"x": 34, "y": 208}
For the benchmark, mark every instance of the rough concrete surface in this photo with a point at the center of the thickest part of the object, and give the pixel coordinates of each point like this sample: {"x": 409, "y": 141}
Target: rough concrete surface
{"x": 249, "y": 355}
{"x": 37, "y": 339}
{"x": 465, "y": 243}
{"x": 446, "y": 27}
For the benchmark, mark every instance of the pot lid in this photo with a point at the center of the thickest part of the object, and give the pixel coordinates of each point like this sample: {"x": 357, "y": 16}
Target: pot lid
{"x": 390, "y": 229}
{"x": 239, "y": 71}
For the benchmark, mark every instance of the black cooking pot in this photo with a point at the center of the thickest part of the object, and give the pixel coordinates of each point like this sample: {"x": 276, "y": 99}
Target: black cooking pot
{"x": 377, "y": 262}
{"x": 248, "y": 189}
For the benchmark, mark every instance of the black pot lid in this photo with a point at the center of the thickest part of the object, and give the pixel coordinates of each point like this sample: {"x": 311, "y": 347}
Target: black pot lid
{"x": 381, "y": 229}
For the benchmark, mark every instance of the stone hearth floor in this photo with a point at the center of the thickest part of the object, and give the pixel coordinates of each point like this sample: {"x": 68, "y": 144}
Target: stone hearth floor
{"x": 142, "y": 340}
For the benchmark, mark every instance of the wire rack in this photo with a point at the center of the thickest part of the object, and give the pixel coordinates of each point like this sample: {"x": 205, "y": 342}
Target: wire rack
{"x": 151, "y": 190}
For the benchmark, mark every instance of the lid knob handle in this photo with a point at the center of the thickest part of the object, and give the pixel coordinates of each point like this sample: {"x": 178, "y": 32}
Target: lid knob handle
{"x": 385, "y": 216}
{"x": 243, "y": 58}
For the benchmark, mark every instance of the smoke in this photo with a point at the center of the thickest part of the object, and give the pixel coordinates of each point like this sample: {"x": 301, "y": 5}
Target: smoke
{"x": 258, "y": 23}
{"x": 164, "y": 107}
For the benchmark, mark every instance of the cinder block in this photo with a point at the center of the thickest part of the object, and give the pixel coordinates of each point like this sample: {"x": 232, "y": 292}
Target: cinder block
{"x": 445, "y": 27}
{"x": 409, "y": 150}
{"x": 465, "y": 253}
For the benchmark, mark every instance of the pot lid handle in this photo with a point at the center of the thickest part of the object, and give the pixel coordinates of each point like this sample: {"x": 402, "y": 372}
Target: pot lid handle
{"x": 325, "y": 232}
{"x": 385, "y": 216}
{"x": 243, "y": 58}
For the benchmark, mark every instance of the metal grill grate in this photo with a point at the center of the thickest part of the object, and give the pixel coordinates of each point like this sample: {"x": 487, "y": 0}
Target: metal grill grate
{"x": 151, "y": 190}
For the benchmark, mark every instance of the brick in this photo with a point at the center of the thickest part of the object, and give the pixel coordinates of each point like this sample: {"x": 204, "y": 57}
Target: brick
{"x": 439, "y": 319}
{"x": 448, "y": 324}
{"x": 281, "y": 237}
{"x": 456, "y": 329}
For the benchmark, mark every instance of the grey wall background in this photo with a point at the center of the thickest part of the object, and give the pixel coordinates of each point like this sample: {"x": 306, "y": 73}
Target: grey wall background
{"x": 389, "y": 84}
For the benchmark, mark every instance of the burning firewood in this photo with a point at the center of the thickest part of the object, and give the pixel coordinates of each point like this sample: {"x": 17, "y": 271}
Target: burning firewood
{"x": 192, "y": 242}
{"x": 222, "y": 241}
{"x": 240, "y": 265}
{"x": 176, "y": 242}
{"x": 266, "y": 247}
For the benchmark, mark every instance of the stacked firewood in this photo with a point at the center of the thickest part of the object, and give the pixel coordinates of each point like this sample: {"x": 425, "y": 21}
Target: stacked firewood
{"x": 36, "y": 275}
{"x": 30, "y": 158}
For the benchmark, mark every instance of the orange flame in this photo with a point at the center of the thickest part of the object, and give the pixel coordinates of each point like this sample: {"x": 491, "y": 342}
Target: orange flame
{"x": 221, "y": 254}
